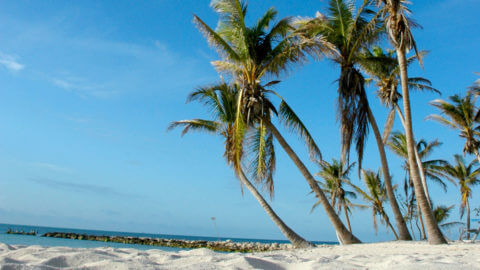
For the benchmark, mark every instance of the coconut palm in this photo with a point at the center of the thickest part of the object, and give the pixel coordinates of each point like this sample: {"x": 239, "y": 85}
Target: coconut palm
{"x": 466, "y": 176}
{"x": 461, "y": 114}
{"x": 442, "y": 213}
{"x": 350, "y": 31}
{"x": 335, "y": 175}
{"x": 221, "y": 99}
{"x": 249, "y": 55}
{"x": 398, "y": 144}
{"x": 384, "y": 71}
{"x": 398, "y": 25}
{"x": 376, "y": 196}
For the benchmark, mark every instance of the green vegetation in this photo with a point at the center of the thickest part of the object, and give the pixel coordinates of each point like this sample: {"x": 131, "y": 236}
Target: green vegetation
{"x": 254, "y": 59}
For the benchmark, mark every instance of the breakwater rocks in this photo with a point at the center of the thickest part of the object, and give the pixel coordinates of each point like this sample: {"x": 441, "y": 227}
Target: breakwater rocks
{"x": 10, "y": 231}
{"x": 227, "y": 246}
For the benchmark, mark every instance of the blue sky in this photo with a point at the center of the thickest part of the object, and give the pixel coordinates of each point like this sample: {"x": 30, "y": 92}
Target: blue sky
{"x": 89, "y": 87}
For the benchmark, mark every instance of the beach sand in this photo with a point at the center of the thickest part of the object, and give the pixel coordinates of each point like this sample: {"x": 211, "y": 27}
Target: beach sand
{"x": 389, "y": 255}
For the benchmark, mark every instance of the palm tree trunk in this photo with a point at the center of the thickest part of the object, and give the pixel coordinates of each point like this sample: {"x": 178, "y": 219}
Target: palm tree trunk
{"x": 420, "y": 217}
{"x": 294, "y": 238}
{"x": 345, "y": 236}
{"x": 467, "y": 206}
{"x": 401, "y": 225}
{"x": 434, "y": 234}
{"x": 347, "y": 218}
{"x": 387, "y": 220}
{"x": 419, "y": 160}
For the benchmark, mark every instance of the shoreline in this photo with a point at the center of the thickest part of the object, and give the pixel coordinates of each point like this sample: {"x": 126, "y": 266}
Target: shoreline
{"x": 387, "y": 255}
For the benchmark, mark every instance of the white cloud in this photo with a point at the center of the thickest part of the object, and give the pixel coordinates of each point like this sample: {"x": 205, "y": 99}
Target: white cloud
{"x": 10, "y": 63}
{"x": 51, "y": 167}
{"x": 82, "y": 87}
{"x": 62, "y": 83}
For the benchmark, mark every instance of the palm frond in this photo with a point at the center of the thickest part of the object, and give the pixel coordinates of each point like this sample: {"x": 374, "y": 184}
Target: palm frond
{"x": 293, "y": 122}
{"x": 195, "y": 124}
{"x": 215, "y": 40}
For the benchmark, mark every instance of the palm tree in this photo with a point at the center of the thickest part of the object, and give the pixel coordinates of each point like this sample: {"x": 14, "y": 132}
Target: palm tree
{"x": 335, "y": 175}
{"x": 398, "y": 144}
{"x": 221, "y": 100}
{"x": 376, "y": 196}
{"x": 398, "y": 24}
{"x": 384, "y": 71}
{"x": 466, "y": 176}
{"x": 249, "y": 54}
{"x": 350, "y": 31}
{"x": 461, "y": 114}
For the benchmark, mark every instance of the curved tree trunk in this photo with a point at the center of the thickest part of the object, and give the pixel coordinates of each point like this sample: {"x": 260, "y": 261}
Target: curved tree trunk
{"x": 419, "y": 160}
{"x": 293, "y": 237}
{"x": 390, "y": 225}
{"x": 401, "y": 225}
{"x": 434, "y": 234}
{"x": 345, "y": 236}
{"x": 420, "y": 217}
{"x": 467, "y": 206}
{"x": 347, "y": 219}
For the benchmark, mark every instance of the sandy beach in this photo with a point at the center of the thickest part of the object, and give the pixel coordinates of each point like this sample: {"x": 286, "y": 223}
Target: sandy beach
{"x": 391, "y": 255}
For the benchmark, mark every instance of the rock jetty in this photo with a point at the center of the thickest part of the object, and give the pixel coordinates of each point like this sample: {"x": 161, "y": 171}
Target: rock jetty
{"x": 10, "y": 231}
{"x": 226, "y": 246}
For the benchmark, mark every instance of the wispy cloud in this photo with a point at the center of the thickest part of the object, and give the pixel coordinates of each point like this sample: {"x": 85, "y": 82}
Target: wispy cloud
{"x": 9, "y": 62}
{"x": 77, "y": 187}
{"x": 82, "y": 87}
{"x": 51, "y": 167}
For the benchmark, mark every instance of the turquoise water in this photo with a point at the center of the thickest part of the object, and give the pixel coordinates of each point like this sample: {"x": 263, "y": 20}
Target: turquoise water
{"x": 13, "y": 239}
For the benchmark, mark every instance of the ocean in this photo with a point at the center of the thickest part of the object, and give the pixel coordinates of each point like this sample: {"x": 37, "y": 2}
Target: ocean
{"x": 14, "y": 239}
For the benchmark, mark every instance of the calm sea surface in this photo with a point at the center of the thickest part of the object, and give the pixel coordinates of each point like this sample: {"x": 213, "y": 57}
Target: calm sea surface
{"x": 13, "y": 239}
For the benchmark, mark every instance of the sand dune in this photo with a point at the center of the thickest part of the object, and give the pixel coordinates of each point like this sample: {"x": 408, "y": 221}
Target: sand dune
{"x": 392, "y": 255}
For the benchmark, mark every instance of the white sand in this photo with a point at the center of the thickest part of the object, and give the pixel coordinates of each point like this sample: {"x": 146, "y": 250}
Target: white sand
{"x": 392, "y": 255}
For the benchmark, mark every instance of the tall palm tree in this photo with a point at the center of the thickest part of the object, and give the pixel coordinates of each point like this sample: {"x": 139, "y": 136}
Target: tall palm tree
{"x": 466, "y": 177}
{"x": 249, "y": 54}
{"x": 335, "y": 175}
{"x": 376, "y": 196}
{"x": 461, "y": 114}
{"x": 384, "y": 71}
{"x": 398, "y": 144}
{"x": 350, "y": 31}
{"x": 221, "y": 99}
{"x": 398, "y": 25}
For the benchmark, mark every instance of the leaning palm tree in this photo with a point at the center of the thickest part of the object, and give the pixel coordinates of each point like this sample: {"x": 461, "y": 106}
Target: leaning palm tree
{"x": 384, "y": 71}
{"x": 335, "y": 175}
{"x": 351, "y": 31}
{"x": 376, "y": 196}
{"x": 398, "y": 25}
{"x": 221, "y": 100}
{"x": 461, "y": 114}
{"x": 398, "y": 144}
{"x": 466, "y": 177}
{"x": 251, "y": 53}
